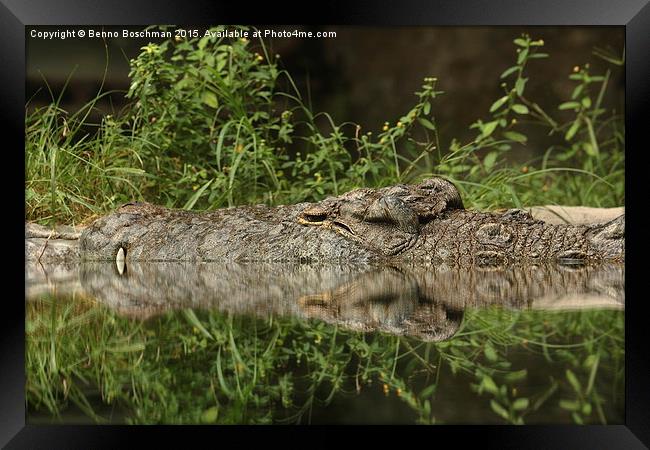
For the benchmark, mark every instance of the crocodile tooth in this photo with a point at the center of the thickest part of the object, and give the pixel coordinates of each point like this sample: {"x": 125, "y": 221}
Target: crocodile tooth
{"x": 119, "y": 261}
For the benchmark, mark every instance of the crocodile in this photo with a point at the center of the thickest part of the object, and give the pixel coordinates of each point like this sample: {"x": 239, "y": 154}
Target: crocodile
{"x": 422, "y": 223}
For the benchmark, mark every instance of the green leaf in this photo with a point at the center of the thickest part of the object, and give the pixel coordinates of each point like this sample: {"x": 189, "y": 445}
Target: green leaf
{"x": 500, "y": 410}
{"x": 426, "y": 123}
{"x": 509, "y": 71}
{"x": 590, "y": 361}
{"x": 586, "y": 102}
{"x": 496, "y": 105}
{"x": 210, "y": 415}
{"x": 203, "y": 42}
{"x": 521, "y": 42}
{"x": 592, "y": 374}
{"x": 569, "y": 405}
{"x": 520, "y": 85}
{"x": 182, "y": 83}
{"x": 589, "y": 149}
{"x": 489, "y": 385}
{"x": 192, "y": 201}
{"x": 520, "y": 404}
{"x": 513, "y": 135}
{"x": 210, "y": 99}
{"x": 426, "y": 392}
{"x": 192, "y": 319}
{"x": 573, "y": 130}
{"x": 489, "y": 128}
{"x": 538, "y": 56}
{"x": 569, "y": 105}
{"x": 488, "y": 162}
{"x": 516, "y": 375}
{"x": 520, "y": 109}
{"x": 573, "y": 380}
{"x": 426, "y": 108}
{"x": 490, "y": 352}
{"x": 522, "y": 56}
{"x": 578, "y": 89}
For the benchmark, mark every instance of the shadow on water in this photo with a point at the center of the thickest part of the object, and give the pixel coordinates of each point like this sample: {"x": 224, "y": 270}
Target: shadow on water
{"x": 397, "y": 344}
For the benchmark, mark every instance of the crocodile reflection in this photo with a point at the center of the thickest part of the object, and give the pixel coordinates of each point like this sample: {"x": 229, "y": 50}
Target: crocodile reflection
{"x": 426, "y": 302}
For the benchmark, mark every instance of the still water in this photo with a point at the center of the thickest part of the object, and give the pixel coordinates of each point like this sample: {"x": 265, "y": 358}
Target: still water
{"x": 268, "y": 343}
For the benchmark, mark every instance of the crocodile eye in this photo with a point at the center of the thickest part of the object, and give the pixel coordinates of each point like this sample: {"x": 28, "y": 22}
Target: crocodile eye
{"x": 314, "y": 214}
{"x": 315, "y": 217}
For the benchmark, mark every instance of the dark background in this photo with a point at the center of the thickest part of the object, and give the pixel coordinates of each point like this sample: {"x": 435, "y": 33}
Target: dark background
{"x": 366, "y": 75}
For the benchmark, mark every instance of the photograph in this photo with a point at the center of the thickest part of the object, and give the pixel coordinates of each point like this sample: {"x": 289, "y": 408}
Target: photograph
{"x": 325, "y": 225}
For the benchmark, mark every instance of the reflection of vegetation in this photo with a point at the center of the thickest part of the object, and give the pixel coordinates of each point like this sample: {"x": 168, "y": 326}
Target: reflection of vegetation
{"x": 215, "y": 122}
{"x": 192, "y": 367}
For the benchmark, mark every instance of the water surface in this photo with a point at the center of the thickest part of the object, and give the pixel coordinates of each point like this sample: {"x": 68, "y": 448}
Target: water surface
{"x": 268, "y": 343}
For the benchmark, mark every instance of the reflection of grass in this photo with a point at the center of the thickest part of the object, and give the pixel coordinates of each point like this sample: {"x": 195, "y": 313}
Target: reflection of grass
{"x": 208, "y": 367}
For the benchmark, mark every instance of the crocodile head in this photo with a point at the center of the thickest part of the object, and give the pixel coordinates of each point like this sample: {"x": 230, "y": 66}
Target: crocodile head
{"x": 386, "y": 220}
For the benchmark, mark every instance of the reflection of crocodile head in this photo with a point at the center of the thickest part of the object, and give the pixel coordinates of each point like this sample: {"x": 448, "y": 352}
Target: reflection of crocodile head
{"x": 384, "y": 299}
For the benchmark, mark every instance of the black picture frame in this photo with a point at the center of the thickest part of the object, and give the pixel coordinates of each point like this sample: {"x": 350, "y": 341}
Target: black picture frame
{"x": 634, "y": 15}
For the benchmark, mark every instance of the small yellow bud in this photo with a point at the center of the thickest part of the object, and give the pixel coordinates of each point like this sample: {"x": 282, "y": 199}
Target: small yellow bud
{"x": 576, "y": 69}
{"x": 524, "y": 169}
